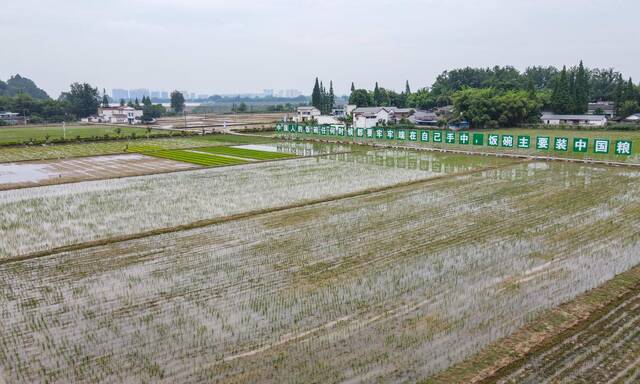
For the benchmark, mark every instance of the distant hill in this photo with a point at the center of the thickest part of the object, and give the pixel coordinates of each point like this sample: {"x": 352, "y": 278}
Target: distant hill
{"x": 17, "y": 84}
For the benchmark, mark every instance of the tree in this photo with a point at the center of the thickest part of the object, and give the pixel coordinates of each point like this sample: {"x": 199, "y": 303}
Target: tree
{"x": 378, "y": 97}
{"x": 407, "y": 90}
{"x": 581, "y": 90}
{"x": 628, "y": 108}
{"x": 487, "y": 107}
{"x": 331, "y": 96}
{"x": 361, "y": 98}
{"x": 136, "y": 104}
{"x": 18, "y": 84}
{"x": 316, "y": 96}
{"x": 177, "y": 101}
{"x": 105, "y": 99}
{"x": 122, "y": 103}
{"x": 83, "y": 99}
{"x": 421, "y": 99}
{"x": 353, "y": 87}
{"x": 561, "y": 101}
{"x": 150, "y": 111}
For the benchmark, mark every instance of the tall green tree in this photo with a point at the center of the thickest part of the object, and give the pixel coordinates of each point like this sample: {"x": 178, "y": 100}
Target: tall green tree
{"x": 407, "y": 90}
{"x": 83, "y": 99}
{"x": 378, "y": 97}
{"x": 105, "y": 99}
{"x": 177, "y": 101}
{"x": 353, "y": 87}
{"x": 361, "y": 98}
{"x": 561, "y": 101}
{"x": 332, "y": 96}
{"x": 316, "y": 96}
{"x": 581, "y": 90}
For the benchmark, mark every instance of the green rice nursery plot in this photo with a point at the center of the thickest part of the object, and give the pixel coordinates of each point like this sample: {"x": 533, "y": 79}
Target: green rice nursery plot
{"x": 59, "y": 151}
{"x": 193, "y": 157}
{"x": 247, "y": 153}
{"x": 387, "y": 286}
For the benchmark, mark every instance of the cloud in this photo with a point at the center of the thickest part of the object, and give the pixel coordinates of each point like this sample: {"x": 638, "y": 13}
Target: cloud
{"x": 216, "y": 46}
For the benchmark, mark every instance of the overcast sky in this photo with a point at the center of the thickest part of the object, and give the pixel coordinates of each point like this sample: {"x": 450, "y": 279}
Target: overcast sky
{"x": 231, "y": 46}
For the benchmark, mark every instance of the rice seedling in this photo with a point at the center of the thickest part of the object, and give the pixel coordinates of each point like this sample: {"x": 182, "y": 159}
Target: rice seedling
{"x": 36, "y": 219}
{"x": 246, "y": 153}
{"x": 390, "y": 286}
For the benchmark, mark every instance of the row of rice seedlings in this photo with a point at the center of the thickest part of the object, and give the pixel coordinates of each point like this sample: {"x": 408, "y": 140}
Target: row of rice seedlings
{"x": 33, "y": 219}
{"x": 403, "y": 281}
{"x": 599, "y": 352}
{"x": 246, "y": 153}
{"x": 195, "y": 158}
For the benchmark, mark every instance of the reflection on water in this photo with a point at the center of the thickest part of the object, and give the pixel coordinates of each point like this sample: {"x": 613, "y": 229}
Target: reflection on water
{"x": 569, "y": 174}
{"x": 299, "y": 149}
{"x": 421, "y": 161}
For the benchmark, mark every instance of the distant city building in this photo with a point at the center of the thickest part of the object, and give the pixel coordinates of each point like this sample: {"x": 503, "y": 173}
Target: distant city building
{"x": 203, "y": 96}
{"x": 291, "y": 93}
{"x": 156, "y": 94}
{"x": 164, "y": 95}
{"x": 594, "y": 120}
{"x": 116, "y": 115}
{"x": 605, "y": 108}
{"x": 118, "y": 94}
{"x": 138, "y": 93}
{"x": 267, "y": 92}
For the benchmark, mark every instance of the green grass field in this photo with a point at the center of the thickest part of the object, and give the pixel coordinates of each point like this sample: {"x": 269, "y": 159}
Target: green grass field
{"x": 22, "y": 134}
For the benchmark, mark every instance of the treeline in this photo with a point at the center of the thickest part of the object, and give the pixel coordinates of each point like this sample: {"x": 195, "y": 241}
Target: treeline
{"x": 504, "y": 96}
{"x": 18, "y": 84}
{"x": 82, "y": 100}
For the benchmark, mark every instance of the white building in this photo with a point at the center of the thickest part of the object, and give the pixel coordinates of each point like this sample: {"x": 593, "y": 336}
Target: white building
{"x": 367, "y": 117}
{"x": 324, "y": 120}
{"x": 593, "y": 120}
{"x": 635, "y": 118}
{"x": 116, "y": 115}
{"x": 401, "y": 113}
{"x": 343, "y": 110}
{"x": 306, "y": 114}
{"x": 606, "y": 108}
{"x": 12, "y": 118}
